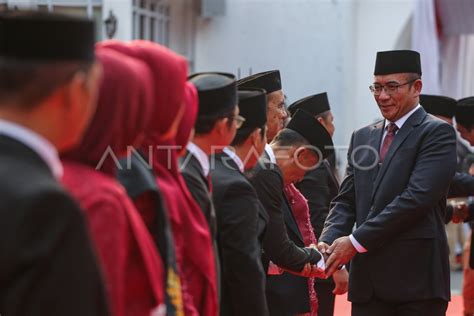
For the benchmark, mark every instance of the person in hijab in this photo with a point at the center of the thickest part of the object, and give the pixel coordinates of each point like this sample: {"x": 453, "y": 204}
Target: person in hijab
{"x": 189, "y": 226}
{"x": 47, "y": 96}
{"x": 140, "y": 182}
{"x": 131, "y": 265}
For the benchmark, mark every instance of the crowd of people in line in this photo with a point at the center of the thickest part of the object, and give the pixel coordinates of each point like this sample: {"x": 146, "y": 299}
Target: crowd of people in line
{"x": 129, "y": 187}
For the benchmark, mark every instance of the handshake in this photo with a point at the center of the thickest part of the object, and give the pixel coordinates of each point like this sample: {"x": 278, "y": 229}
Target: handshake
{"x": 336, "y": 255}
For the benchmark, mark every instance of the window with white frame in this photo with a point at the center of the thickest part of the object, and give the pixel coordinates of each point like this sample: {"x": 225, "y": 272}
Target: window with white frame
{"x": 151, "y": 20}
{"x": 85, "y": 8}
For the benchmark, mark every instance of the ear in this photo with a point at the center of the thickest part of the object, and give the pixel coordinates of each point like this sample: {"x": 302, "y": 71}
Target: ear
{"x": 418, "y": 84}
{"x": 75, "y": 87}
{"x": 255, "y": 137}
{"x": 221, "y": 126}
{"x": 299, "y": 153}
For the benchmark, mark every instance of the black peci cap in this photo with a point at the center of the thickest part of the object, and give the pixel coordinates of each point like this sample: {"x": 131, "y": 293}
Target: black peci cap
{"x": 307, "y": 126}
{"x": 253, "y": 107}
{"x": 270, "y": 81}
{"x": 438, "y": 105}
{"x": 397, "y": 61}
{"x": 217, "y": 92}
{"x": 314, "y": 104}
{"x": 465, "y": 112}
{"x": 45, "y": 37}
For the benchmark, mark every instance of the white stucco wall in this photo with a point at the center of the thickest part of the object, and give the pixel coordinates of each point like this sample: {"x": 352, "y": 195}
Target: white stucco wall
{"x": 122, "y": 9}
{"x": 319, "y": 45}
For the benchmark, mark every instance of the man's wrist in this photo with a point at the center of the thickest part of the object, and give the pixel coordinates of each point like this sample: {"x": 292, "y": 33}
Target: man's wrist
{"x": 356, "y": 244}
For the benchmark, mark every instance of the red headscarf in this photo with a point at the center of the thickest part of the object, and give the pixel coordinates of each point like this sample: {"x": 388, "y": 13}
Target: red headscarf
{"x": 190, "y": 229}
{"x": 191, "y": 102}
{"x": 133, "y": 270}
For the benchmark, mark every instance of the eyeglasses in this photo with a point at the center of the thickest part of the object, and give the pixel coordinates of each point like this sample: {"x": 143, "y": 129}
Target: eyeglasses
{"x": 390, "y": 88}
{"x": 239, "y": 120}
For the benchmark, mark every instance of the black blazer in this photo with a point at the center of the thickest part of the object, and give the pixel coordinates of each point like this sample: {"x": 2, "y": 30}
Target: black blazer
{"x": 398, "y": 208}
{"x": 462, "y": 185}
{"x": 48, "y": 266}
{"x": 237, "y": 210}
{"x": 319, "y": 186}
{"x": 287, "y": 294}
{"x": 197, "y": 184}
{"x": 267, "y": 180}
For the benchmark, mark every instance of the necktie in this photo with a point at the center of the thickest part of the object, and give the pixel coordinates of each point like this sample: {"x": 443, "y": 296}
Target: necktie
{"x": 391, "y": 130}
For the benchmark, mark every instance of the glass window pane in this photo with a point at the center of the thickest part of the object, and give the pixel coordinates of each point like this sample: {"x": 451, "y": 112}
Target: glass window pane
{"x": 142, "y": 27}
{"x": 77, "y": 11}
{"x": 152, "y": 29}
{"x": 99, "y": 24}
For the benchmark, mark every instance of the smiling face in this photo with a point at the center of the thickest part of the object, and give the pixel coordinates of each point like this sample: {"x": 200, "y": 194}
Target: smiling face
{"x": 395, "y": 104}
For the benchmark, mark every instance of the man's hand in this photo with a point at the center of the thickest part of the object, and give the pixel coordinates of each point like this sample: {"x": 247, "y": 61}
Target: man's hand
{"x": 460, "y": 212}
{"x": 341, "y": 278}
{"x": 323, "y": 247}
{"x": 340, "y": 252}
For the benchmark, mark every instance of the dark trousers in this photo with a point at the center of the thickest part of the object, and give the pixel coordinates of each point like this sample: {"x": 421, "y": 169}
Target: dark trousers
{"x": 375, "y": 307}
{"x": 325, "y": 298}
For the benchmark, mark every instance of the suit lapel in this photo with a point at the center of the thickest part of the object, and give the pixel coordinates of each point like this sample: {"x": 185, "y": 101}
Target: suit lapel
{"x": 289, "y": 219}
{"x": 400, "y": 137}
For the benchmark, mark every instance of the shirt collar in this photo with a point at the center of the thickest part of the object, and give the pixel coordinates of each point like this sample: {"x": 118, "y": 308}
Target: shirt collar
{"x": 403, "y": 119}
{"x": 235, "y": 158}
{"x": 200, "y": 156}
{"x": 270, "y": 153}
{"x": 36, "y": 142}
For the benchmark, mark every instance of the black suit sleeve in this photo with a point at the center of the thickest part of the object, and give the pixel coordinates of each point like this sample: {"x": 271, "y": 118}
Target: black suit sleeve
{"x": 198, "y": 192}
{"x": 315, "y": 187}
{"x": 240, "y": 251}
{"x": 434, "y": 168}
{"x": 50, "y": 257}
{"x": 462, "y": 185}
{"x": 268, "y": 184}
{"x": 341, "y": 217}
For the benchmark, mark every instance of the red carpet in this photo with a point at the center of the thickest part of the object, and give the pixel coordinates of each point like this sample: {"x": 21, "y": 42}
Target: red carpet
{"x": 343, "y": 307}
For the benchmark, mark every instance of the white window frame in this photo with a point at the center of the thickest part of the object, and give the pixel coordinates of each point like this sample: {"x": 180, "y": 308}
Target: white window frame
{"x": 161, "y": 15}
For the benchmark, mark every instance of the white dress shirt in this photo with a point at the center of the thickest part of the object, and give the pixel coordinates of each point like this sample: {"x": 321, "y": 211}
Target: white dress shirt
{"x": 40, "y": 145}
{"x": 270, "y": 153}
{"x": 200, "y": 156}
{"x": 399, "y": 123}
{"x": 235, "y": 158}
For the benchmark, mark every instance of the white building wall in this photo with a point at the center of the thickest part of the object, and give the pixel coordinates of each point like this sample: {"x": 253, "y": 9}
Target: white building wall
{"x": 377, "y": 28}
{"x": 123, "y": 10}
{"x": 319, "y": 45}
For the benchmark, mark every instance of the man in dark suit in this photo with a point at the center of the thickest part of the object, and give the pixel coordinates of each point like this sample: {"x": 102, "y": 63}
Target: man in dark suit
{"x": 239, "y": 212}
{"x": 270, "y": 81}
{"x": 215, "y": 127}
{"x": 217, "y": 122}
{"x": 320, "y": 186}
{"x": 298, "y": 148}
{"x": 395, "y": 189}
{"x": 47, "y": 95}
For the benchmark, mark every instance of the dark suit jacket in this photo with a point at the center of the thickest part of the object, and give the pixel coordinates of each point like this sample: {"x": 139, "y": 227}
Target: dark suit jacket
{"x": 197, "y": 184}
{"x": 319, "y": 186}
{"x": 462, "y": 185}
{"x": 398, "y": 208}
{"x": 287, "y": 294}
{"x": 237, "y": 210}
{"x": 48, "y": 266}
